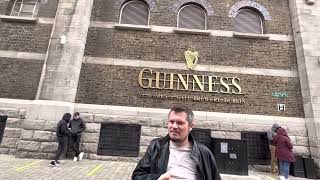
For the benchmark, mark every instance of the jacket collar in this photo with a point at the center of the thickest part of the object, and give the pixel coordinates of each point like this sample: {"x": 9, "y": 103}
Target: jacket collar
{"x": 194, "y": 151}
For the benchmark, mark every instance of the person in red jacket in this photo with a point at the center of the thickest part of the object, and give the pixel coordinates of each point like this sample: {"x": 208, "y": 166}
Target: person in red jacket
{"x": 284, "y": 151}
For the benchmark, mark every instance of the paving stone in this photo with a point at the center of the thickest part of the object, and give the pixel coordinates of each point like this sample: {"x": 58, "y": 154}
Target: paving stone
{"x": 117, "y": 168}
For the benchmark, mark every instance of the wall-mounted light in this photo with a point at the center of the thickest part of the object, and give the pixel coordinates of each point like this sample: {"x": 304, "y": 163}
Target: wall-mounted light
{"x": 63, "y": 39}
{"x": 310, "y": 2}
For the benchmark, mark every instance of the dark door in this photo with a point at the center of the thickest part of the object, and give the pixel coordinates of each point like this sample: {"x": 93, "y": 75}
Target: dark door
{"x": 231, "y": 156}
{"x": 3, "y": 121}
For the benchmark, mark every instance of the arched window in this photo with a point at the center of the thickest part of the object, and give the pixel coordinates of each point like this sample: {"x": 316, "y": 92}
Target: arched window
{"x": 134, "y": 12}
{"x": 248, "y": 21}
{"x": 192, "y": 16}
{"x": 28, "y": 8}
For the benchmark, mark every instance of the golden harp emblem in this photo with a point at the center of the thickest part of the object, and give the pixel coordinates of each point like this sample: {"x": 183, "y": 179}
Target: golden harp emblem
{"x": 191, "y": 59}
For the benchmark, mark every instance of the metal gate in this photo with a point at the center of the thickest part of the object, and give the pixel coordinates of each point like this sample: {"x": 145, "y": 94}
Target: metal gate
{"x": 3, "y": 121}
{"x": 231, "y": 156}
{"x": 119, "y": 139}
{"x": 203, "y": 136}
{"x": 258, "y": 147}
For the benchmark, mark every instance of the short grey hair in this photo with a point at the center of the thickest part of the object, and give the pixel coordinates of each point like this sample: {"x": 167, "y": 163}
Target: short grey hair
{"x": 183, "y": 108}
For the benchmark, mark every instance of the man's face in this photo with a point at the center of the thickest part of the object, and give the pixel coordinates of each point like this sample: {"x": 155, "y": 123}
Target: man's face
{"x": 178, "y": 127}
{"x": 76, "y": 117}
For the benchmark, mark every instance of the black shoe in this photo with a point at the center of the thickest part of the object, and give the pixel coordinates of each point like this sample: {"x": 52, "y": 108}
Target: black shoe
{"x": 53, "y": 163}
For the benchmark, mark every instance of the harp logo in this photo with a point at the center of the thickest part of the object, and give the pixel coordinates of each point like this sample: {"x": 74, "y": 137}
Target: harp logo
{"x": 191, "y": 59}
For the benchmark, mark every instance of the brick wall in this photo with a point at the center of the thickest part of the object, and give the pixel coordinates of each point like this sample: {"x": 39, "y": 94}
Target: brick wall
{"x": 19, "y": 78}
{"x": 24, "y": 37}
{"x": 155, "y": 46}
{"x": 4, "y": 7}
{"x": 106, "y": 10}
{"x": 118, "y": 85}
{"x": 47, "y": 8}
{"x": 12, "y": 130}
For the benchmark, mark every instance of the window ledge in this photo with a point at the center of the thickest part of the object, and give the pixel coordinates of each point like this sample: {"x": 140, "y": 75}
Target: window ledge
{"x": 133, "y": 27}
{"x": 18, "y": 19}
{"x": 191, "y": 31}
{"x": 251, "y": 35}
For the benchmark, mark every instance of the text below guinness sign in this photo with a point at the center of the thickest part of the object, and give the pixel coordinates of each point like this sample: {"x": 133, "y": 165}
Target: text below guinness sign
{"x": 150, "y": 79}
{"x": 193, "y": 98}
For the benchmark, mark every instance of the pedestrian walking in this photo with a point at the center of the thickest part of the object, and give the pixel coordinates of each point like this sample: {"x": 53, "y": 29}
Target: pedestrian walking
{"x": 284, "y": 152}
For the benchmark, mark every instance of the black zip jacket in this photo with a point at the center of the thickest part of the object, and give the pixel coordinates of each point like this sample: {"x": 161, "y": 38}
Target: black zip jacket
{"x": 155, "y": 161}
{"x": 77, "y": 126}
{"x": 62, "y": 128}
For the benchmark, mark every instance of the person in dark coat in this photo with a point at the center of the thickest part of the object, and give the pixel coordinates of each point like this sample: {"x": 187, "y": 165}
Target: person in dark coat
{"x": 62, "y": 136}
{"x": 77, "y": 126}
{"x": 177, "y": 155}
{"x": 284, "y": 151}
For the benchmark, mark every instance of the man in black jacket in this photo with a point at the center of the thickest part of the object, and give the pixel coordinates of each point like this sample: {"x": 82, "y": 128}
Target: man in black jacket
{"x": 62, "y": 136}
{"x": 77, "y": 126}
{"x": 177, "y": 156}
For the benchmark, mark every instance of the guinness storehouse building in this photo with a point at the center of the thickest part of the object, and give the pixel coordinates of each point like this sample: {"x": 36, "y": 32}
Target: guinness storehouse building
{"x": 241, "y": 65}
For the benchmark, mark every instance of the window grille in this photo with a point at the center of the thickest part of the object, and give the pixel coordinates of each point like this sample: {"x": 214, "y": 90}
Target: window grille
{"x": 27, "y": 8}
{"x": 134, "y": 12}
{"x": 248, "y": 21}
{"x": 192, "y": 16}
{"x": 119, "y": 139}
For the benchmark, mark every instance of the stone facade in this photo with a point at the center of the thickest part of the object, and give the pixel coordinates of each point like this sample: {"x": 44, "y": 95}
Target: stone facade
{"x": 122, "y": 83}
{"x": 12, "y": 132}
{"x": 25, "y": 137}
{"x": 169, "y": 47}
{"x": 164, "y": 15}
{"x": 305, "y": 21}
{"x": 19, "y": 78}
{"x": 95, "y": 71}
{"x": 25, "y": 37}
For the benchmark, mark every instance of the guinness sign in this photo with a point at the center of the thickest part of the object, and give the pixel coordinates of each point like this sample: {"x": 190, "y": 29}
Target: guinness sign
{"x": 150, "y": 79}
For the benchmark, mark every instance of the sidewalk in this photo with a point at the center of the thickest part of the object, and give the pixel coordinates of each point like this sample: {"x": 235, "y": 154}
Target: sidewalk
{"x": 12, "y": 168}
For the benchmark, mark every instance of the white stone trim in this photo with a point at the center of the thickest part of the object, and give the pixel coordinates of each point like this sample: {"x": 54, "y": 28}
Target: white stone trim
{"x": 251, "y": 35}
{"x": 20, "y": 19}
{"x": 167, "y": 29}
{"x": 157, "y": 112}
{"x": 46, "y": 20}
{"x": 132, "y": 27}
{"x": 14, "y": 103}
{"x": 182, "y": 66}
{"x": 191, "y": 31}
{"x": 22, "y": 55}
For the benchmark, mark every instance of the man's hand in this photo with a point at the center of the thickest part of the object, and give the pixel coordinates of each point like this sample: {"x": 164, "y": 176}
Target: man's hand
{"x": 165, "y": 176}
